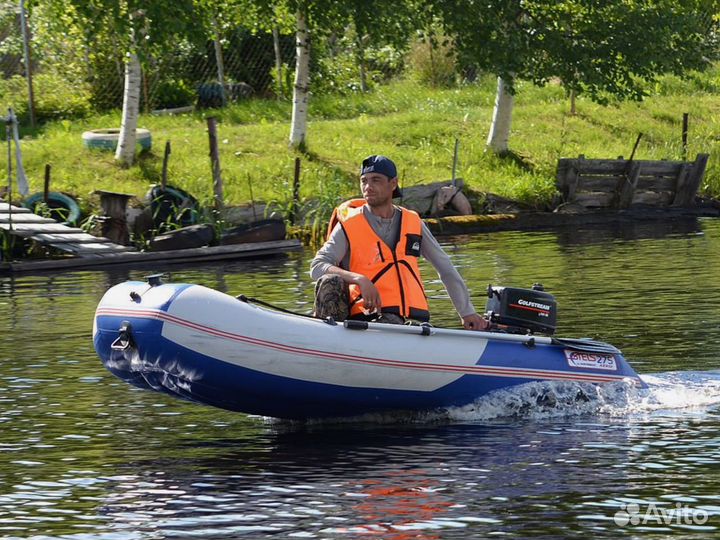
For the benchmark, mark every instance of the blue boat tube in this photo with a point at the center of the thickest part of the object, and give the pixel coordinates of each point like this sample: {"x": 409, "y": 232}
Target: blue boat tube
{"x": 199, "y": 344}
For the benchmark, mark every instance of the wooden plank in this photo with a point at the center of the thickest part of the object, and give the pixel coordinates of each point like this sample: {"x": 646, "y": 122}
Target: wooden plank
{"x": 607, "y": 183}
{"x": 75, "y": 237}
{"x": 29, "y": 229}
{"x": 626, "y": 187}
{"x": 64, "y": 247}
{"x": 570, "y": 182}
{"x": 24, "y": 218}
{"x": 660, "y": 168}
{"x": 204, "y": 254}
{"x": 594, "y": 199}
{"x": 619, "y": 166}
{"x": 685, "y": 195}
{"x": 560, "y": 175}
{"x": 97, "y": 247}
{"x": 94, "y": 250}
{"x": 656, "y": 183}
{"x": 680, "y": 185}
{"x": 90, "y": 250}
{"x": 5, "y": 208}
{"x": 597, "y": 183}
{"x": 653, "y": 198}
{"x": 599, "y": 166}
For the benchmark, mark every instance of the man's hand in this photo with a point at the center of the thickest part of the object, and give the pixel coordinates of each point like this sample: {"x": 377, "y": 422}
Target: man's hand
{"x": 370, "y": 294}
{"x": 475, "y": 322}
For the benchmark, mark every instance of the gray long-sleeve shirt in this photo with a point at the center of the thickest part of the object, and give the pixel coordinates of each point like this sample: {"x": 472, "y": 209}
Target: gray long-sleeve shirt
{"x": 336, "y": 252}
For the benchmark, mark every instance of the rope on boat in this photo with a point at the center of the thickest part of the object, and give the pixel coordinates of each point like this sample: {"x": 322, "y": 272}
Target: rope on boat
{"x": 583, "y": 344}
{"x": 587, "y": 345}
{"x": 249, "y": 300}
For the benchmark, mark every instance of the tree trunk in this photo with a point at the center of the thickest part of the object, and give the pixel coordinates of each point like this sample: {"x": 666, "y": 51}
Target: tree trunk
{"x": 219, "y": 60}
{"x": 145, "y": 89}
{"x": 119, "y": 67}
{"x": 433, "y": 77}
{"x": 298, "y": 127}
{"x": 573, "y": 109}
{"x": 28, "y": 63}
{"x": 88, "y": 65}
{"x": 360, "y": 56}
{"x": 502, "y": 117}
{"x": 278, "y": 61}
{"x": 125, "y": 152}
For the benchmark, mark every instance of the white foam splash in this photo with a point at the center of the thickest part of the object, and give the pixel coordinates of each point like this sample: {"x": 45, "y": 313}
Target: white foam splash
{"x": 682, "y": 390}
{"x": 545, "y": 399}
{"x": 553, "y": 399}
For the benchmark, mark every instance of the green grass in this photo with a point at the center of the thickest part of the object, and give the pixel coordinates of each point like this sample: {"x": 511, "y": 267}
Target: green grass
{"x": 414, "y": 125}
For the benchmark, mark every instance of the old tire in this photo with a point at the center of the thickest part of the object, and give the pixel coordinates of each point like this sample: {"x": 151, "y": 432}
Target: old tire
{"x": 194, "y": 236}
{"x": 172, "y": 206}
{"x": 107, "y": 139}
{"x": 61, "y": 207}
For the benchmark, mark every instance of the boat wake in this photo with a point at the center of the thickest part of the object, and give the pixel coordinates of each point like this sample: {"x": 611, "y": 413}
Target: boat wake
{"x": 546, "y": 399}
{"x": 678, "y": 390}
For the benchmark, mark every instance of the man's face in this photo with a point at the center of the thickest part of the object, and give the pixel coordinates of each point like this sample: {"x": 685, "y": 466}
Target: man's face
{"x": 377, "y": 188}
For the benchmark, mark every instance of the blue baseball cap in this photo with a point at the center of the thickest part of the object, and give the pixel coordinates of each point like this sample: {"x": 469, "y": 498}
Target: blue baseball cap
{"x": 382, "y": 165}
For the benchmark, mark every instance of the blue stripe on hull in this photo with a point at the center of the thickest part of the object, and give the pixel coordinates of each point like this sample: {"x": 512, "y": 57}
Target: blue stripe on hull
{"x": 546, "y": 357}
{"x": 181, "y": 372}
{"x": 170, "y": 368}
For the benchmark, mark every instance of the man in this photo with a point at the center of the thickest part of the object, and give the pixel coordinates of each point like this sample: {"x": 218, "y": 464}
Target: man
{"x": 372, "y": 253}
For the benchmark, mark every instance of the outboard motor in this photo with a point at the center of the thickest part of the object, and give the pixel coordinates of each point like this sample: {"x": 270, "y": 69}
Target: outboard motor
{"x": 523, "y": 311}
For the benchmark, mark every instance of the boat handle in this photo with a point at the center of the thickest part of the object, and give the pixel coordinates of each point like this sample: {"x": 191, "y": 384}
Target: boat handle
{"x": 351, "y": 324}
{"x": 426, "y": 329}
{"x": 124, "y": 340}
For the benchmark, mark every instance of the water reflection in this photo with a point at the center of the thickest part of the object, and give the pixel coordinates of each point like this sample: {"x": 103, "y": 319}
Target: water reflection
{"x": 519, "y": 478}
{"x": 86, "y": 456}
{"x": 629, "y": 231}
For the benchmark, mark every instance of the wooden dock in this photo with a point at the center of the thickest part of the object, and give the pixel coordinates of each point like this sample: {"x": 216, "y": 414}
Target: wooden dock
{"x": 619, "y": 184}
{"x": 85, "y": 251}
{"x": 22, "y": 222}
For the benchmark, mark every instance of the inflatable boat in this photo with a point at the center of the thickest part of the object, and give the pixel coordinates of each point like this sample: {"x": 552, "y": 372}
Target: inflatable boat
{"x": 205, "y": 346}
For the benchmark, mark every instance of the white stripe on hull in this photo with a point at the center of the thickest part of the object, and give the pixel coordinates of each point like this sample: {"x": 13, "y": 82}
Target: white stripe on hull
{"x": 309, "y": 350}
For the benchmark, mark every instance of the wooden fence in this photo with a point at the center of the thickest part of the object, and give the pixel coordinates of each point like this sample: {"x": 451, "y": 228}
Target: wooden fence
{"x": 621, "y": 183}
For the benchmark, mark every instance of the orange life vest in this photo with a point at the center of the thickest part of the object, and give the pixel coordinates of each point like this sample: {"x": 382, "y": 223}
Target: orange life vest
{"x": 395, "y": 272}
{"x": 342, "y": 212}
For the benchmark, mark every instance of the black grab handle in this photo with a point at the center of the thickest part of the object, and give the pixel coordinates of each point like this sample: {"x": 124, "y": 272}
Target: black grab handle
{"x": 355, "y": 325}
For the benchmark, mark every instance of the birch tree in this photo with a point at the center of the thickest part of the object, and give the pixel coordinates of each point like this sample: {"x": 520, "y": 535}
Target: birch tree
{"x": 301, "y": 88}
{"x": 499, "y": 135}
{"x": 602, "y": 49}
{"x": 220, "y": 18}
{"x": 125, "y": 151}
{"x": 378, "y": 21}
{"x": 140, "y": 28}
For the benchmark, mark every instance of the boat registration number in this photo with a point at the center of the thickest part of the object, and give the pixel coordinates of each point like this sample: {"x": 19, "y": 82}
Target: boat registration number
{"x": 590, "y": 360}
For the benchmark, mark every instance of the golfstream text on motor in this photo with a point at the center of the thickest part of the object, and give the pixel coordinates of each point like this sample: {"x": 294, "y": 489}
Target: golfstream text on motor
{"x": 533, "y": 304}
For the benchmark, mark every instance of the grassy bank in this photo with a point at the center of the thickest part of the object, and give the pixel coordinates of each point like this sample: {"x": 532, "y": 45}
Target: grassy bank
{"x": 416, "y": 126}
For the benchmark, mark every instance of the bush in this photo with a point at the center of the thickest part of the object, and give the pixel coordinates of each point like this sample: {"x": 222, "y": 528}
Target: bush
{"x": 694, "y": 81}
{"x": 283, "y": 81}
{"x": 335, "y": 65}
{"x": 172, "y": 93}
{"x": 433, "y": 62}
{"x": 55, "y": 97}
{"x": 339, "y": 75}
{"x": 388, "y": 62}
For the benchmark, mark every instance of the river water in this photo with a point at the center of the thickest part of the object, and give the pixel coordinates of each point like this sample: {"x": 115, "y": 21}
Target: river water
{"x": 85, "y": 456}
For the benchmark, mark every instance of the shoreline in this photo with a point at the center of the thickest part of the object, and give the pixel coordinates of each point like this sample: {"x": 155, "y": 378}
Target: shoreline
{"x": 527, "y": 221}
{"x": 439, "y": 226}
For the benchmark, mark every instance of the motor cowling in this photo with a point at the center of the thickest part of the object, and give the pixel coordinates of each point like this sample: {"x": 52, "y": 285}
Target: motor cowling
{"x": 522, "y": 310}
